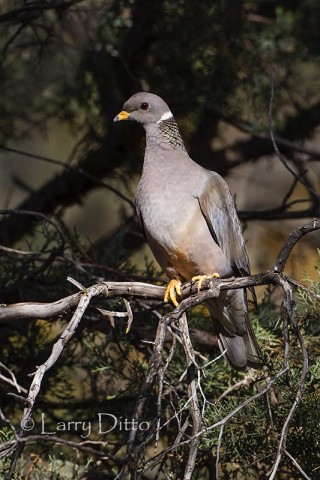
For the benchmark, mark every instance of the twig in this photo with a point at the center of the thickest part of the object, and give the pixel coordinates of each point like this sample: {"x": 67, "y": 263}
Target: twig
{"x": 298, "y": 177}
{"x": 57, "y": 348}
{"x": 202, "y": 370}
{"x": 218, "y": 450}
{"x": 303, "y": 287}
{"x": 161, "y": 374}
{"x": 76, "y": 284}
{"x": 14, "y": 252}
{"x": 83, "y": 446}
{"x": 13, "y": 380}
{"x": 129, "y": 314}
{"x": 296, "y": 464}
{"x": 245, "y": 382}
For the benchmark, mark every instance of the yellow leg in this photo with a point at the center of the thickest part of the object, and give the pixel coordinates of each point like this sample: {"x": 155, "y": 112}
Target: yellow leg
{"x": 172, "y": 290}
{"x": 200, "y": 279}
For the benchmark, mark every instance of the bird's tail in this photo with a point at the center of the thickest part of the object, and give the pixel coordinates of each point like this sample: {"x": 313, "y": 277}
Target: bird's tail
{"x": 236, "y": 337}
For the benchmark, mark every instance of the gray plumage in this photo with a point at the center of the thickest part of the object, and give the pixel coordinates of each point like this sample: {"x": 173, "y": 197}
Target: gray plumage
{"x": 188, "y": 216}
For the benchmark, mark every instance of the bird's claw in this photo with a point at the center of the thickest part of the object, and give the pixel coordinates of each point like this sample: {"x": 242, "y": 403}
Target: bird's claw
{"x": 173, "y": 289}
{"x": 201, "y": 278}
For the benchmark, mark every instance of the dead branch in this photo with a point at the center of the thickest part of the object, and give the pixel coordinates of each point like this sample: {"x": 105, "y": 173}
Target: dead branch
{"x": 12, "y": 381}
{"x": 245, "y": 382}
{"x": 189, "y": 290}
{"x": 293, "y": 239}
{"x": 190, "y": 295}
{"x": 192, "y": 368}
{"x": 27, "y": 423}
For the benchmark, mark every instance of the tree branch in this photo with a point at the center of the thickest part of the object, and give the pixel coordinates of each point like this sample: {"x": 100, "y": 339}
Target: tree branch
{"x": 189, "y": 290}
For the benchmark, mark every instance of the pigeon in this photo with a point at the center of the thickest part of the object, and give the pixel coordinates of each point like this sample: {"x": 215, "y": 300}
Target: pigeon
{"x": 188, "y": 217}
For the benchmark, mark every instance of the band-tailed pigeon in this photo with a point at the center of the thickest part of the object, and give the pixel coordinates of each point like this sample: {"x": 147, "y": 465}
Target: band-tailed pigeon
{"x": 189, "y": 219}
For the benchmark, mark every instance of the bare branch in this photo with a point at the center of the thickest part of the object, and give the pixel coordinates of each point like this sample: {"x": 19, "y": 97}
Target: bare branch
{"x": 12, "y": 381}
{"x": 190, "y": 294}
{"x": 293, "y": 239}
{"x": 218, "y": 450}
{"x": 296, "y": 464}
{"x": 192, "y": 396}
{"x": 14, "y": 252}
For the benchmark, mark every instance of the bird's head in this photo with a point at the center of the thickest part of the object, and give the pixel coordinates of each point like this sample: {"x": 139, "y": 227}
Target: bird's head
{"x": 144, "y": 108}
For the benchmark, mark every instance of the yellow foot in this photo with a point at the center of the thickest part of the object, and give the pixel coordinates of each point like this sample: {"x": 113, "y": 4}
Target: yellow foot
{"x": 172, "y": 290}
{"x": 201, "y": 278}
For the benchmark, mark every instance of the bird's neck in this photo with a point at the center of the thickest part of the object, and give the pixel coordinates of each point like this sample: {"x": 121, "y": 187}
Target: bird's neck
{"x": 165, "y": 134}
{"x": 170, "y": 133}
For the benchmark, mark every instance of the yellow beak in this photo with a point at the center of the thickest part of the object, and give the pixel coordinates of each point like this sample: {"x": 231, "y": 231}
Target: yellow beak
{"x": 121, "y": 116}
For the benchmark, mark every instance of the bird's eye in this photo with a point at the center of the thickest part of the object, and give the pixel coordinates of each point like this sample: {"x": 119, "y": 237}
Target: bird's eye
{"x": 144, "y": 106}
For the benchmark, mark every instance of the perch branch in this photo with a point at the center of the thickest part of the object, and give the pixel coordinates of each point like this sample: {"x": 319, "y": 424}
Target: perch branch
{"x": 190, "y": 295}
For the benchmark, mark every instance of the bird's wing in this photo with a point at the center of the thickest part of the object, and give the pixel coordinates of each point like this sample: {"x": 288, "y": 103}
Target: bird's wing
{"x": 218, "y": 208}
